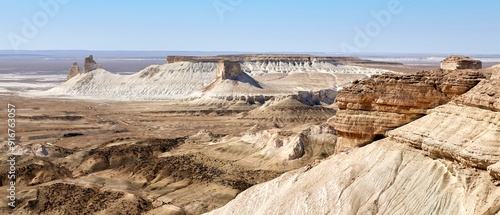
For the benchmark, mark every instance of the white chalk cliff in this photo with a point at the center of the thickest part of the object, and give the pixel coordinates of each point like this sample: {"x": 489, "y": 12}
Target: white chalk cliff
{"x": 191, "y": 79}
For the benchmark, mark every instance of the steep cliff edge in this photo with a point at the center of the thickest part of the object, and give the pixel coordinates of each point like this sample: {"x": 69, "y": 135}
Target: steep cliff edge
{"x": 371, "y": 107}
{"x": 466, "y": 130}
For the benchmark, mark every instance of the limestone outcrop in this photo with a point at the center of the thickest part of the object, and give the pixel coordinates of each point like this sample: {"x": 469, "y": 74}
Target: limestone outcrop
{"x": 455, "y": 62}
{"x": 486, "y": 95}
{"x": 371, "y": 107}
{"x": 494, "y": 171}
{"x": 382, "y": 178}
{"x": 223, "y": 79}
{"x": 268, "y": 58}
{"x": 326, "y": 96}
{"x": 90, "y": 64}
{"x": 466, "y": 130}
{"x": 73, "y": 71}
{"x": 228, "y": 70}
{"x": 460, "y": 133}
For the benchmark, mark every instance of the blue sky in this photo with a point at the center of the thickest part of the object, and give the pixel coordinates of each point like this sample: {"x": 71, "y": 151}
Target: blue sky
{"x": 423, "y": 26}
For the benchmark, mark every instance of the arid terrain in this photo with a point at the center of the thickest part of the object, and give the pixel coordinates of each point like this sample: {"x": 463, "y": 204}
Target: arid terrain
{"x": 259, "y": 135}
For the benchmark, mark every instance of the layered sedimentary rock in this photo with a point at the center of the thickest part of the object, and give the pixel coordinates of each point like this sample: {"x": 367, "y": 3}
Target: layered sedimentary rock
{"x": 228, "y": 70}
{"x": 382, "y": 178}
{"x": 494, "y": 171}
{"x": 455, "y": 62}
{"x": 486, "y": 95}
{"x": 208, "y": 80}
{"x": 73, "y": 71}
{"x": 446, "y": 162}
{"x": 289, "y": 109}
{"x": 465, "y": 134}
{"x": 269, "y": 58}
{"x": 369, "y": 108}
{"x": 326, "y": 96}
{"x": 90, "y": 64}
{"x": 466, "y": 130}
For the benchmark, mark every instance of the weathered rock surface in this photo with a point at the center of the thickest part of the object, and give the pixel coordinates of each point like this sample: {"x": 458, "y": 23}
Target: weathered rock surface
{"x": 196, "y": 78}
{"x": 277, "y": 149}
{"x": 289, "y": 109}
{"x": 228, "y": 70}
{"x": 486, "y": 95}
{"x": 276, "y": 58}
{"x": 73, "y": 71}
{"x": 326, "y": 96}
{"x": 466, "y": 130}
{"x": 494, "y": 171}
{"x": 465, "y": 134}
{"x": 455, "y": 62}
{"x": 90, "y": 64}
{"x": 382, "y": 178}
{"x": 371, "y": 107}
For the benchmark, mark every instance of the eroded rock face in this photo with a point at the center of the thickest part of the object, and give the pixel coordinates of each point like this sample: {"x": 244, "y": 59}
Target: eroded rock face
{"x": 486, "y": 95}
{"x": 382, "y": 178}
{"x": 90, "y": 64}
{"x": 465, "y": 134}
{"x": 465, "y": 130}
{"x": 494, "y": 171}
{"x": 228, "y": 70}
{"x": 369, "y": 108}
{"x": 73, "y": 71}
{"x": 455, "y": 62}
{"x": 326, "y": 96}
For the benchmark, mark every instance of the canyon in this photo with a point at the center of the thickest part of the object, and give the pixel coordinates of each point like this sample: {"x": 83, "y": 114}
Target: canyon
{"x": 262, "y": 134}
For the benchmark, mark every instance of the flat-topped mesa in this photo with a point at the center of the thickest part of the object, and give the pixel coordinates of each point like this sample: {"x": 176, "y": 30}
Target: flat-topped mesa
{"x": 455, "y": 62}
{"x": 90, "y": 64}
{"x": 228, "y": 69}
{"x": 310, "y": 59}
{"x": 73, "y": 71}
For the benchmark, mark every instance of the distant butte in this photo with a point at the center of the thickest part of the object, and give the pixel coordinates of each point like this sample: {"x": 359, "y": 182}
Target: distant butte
{"x": 275, "y": 58}
{"x": 455, "y": 62}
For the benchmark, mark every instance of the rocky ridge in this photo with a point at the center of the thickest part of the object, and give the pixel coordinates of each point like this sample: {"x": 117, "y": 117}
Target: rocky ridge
{"x": 446, "y": 162}
{"x": 371, "y": 107}
{"x": 219, "y": 78}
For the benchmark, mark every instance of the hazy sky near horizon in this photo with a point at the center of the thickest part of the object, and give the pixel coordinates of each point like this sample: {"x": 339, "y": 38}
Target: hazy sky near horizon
{"x": 405, "y": 26}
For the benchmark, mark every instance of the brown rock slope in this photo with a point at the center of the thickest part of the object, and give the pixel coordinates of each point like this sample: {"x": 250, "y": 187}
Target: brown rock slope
{"x": 369, "y": 108}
